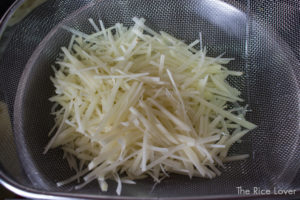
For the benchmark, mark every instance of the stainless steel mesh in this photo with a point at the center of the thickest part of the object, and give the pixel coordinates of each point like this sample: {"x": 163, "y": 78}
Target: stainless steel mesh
{"x": 262, "y": 36}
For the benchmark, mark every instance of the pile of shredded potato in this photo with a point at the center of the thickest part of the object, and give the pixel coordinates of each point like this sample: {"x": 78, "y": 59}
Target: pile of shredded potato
{"x": 132, "y": 103}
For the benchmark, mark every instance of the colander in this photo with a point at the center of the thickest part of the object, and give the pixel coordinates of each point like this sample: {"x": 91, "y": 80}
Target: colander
{"x": 262, "y": 36}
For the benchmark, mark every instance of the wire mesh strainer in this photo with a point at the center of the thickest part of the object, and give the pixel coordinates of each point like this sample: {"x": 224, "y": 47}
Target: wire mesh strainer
{"x": 262, "y": 36}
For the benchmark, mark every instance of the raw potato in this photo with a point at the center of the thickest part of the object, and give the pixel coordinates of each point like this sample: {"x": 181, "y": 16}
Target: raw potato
{"x": 139, "y": 103}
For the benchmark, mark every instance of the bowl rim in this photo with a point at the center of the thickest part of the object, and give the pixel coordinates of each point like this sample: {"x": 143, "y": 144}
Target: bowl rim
{"x": 28, "y": 192}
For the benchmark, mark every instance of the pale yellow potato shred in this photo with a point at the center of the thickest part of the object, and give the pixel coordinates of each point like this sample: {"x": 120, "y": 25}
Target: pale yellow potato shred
{"x": 132, "y": 103}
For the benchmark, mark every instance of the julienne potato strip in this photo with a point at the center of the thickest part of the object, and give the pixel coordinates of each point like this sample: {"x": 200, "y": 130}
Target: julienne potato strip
{"x": 132, "y": 103}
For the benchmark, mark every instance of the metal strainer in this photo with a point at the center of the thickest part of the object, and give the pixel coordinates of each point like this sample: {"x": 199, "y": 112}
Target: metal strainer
{"x": 262, "y": 36}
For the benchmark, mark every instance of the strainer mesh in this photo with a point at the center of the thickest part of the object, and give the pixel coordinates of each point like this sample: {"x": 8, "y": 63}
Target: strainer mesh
{"x": 262, "y": 36}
